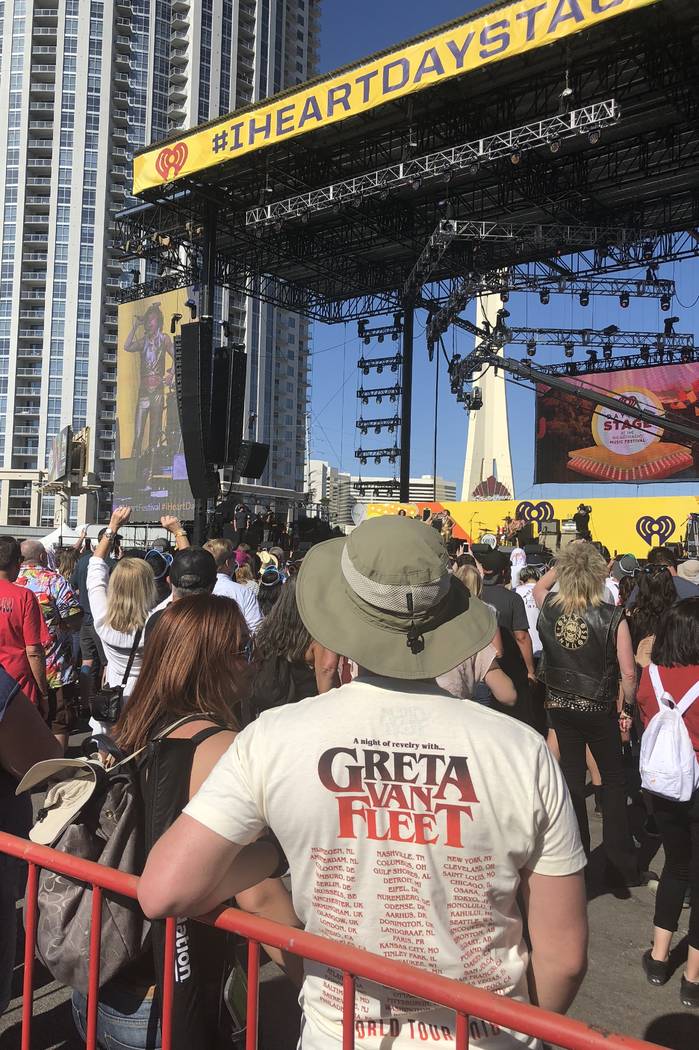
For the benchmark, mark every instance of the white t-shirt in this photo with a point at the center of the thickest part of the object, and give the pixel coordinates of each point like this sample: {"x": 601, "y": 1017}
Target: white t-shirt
{"x": 518, "y": 560}
{"x": 612, "y": 587}
{"x": 406, "y": 816}
{"x": 244, "y": 596}
{"x": 525, "y": 592}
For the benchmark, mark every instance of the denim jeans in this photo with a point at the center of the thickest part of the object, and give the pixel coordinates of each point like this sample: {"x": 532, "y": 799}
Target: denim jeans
{"x": 600, "y": 731}
{"x": 125, "y": 1020}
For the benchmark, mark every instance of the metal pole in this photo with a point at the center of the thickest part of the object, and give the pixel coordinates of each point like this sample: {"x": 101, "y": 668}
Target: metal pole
{"x": 436, "y": 427}
{"x": 406, "y": 400}
{"x": 206, "y": 309}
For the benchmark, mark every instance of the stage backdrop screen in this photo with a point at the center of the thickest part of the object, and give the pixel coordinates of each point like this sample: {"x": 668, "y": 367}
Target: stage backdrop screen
{"x": 579, "y": 442}
{"x": 149, "y": 473}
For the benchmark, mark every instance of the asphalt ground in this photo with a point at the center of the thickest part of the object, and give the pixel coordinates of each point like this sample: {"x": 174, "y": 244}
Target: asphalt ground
{"x": 614, "y": 997}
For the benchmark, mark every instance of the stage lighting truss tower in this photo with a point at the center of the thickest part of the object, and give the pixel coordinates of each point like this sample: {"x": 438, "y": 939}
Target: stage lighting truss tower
{"x": 378, "y": 365}
{"x": 587, "y": 338}
{"x": 467, "y": 156}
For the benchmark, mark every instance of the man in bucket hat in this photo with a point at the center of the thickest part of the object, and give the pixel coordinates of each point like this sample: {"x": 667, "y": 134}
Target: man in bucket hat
{"x": 413, "y": 823}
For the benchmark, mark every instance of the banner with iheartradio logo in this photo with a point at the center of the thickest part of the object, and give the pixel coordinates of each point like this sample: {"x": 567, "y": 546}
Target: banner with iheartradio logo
{"x": 576, "y": 441}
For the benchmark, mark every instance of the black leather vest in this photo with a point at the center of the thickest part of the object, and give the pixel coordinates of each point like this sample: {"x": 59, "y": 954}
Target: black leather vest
{"x": 580, "y": 650}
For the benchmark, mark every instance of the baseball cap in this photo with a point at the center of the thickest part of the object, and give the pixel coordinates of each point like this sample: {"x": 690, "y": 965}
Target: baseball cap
{"x": 159, "y": 562}
{"x": 689, "y": 570}
{"x": 193, "y": 569}
{"x": 626, "y": 565}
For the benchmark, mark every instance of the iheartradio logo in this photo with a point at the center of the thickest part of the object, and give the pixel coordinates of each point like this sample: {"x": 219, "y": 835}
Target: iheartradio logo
{"x": 171, "y": 160}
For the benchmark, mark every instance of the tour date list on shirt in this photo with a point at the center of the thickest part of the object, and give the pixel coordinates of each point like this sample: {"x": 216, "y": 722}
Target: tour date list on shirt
{"x": 401, "y": 796}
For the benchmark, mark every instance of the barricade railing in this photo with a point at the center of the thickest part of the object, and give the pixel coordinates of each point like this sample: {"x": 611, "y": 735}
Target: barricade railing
{"x": 466, "y": 1002}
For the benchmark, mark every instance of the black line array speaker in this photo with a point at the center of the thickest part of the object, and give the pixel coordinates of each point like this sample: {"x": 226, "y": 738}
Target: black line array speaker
{"x": 252, "y": 459}
{"x": 227, "y": 406}
{"x": 193, "y": 359}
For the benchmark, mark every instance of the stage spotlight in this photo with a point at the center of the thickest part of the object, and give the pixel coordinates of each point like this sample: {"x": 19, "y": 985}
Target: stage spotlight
{"x": 555, "y": 145}
{"x": 594, "y": 136}
{"x": 624, "y": 300}
{"x": 593, "y": 356}
{"x": 665, "y": 303}
{"x": 416, "y": 183}
{"x": 544, "y": 296}
{"x": 173, "y": 323}
{"x": 531, "y": 348}
{"x": 611, "y": 329}
{"x": 648, "y": 250}
{"x": 645, "y": 353}
{"x": 192, "y": 307}
{"x": 569, "y": 349}
{"x": 585, "y": 298}
{"x": 379, "y": 370}
{"x": 377, "y": 459}
{"x": 305, "y": 217}
{"x": 381, "y": 338}
{"x": 670, "y": 323}
{"x": 361, "y": 328}
{"x": 516, "y": 157}
{"x": 504, "y": 297}
{"x": 607, "y": 351}
{"x": 367, "y": 340}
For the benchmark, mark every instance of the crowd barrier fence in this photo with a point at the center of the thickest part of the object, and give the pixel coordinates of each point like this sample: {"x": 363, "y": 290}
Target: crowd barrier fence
{"x": 466, "y": 1002}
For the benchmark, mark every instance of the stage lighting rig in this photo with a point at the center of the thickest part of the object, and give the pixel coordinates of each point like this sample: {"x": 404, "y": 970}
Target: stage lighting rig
{"x": 544, "y": 296}
{"x": 585, "y": 298}
{"x": 669, "y": 325}
{"x": 665, "y": 303}
{"x": 624, "y": 300}
{"x": 377, "y": 454}
{"x": 644, "y": 354}
{"x": 395, "y": 330}
{"x": 608, "y": 351}
{"x": 531, "y": 348}
{"x": 593, "y": 356}
{"x": 569, "y": 349}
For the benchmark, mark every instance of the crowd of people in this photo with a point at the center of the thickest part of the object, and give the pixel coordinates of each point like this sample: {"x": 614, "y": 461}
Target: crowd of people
{"x": 386, "y": 742}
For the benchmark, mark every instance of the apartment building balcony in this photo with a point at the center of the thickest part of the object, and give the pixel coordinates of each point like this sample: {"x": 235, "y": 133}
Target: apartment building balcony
{"x": 27, "y": 431}
{"x": 179, "y": 40}
{"x": 120, "y": 154}
{"x": 119, "y": 172}
{"x": 120, "y": 136}
{"x": 46, "y": 14}
{"x": 25, "y": 450}
{"x": 178, "y": 80}
{"x": 120, "y": 118}
{"x": 39, "y": 182}
{"x": 180, "y": 5}
{"x": 47, "y": 32}
{"x": 33, "y": 276}
{"x": 124, "y": 43}
{"x": 121, "y": 78}
{"x": 42, "y": 72}
{"x": 34, "y": 221}
{"x": 22, "y": 492}
{"x": 30, "y": 353}
{"x": 39, "y": 163}
{"x": 37, "y": 200}
{"x": 33, "y": 392}
{"x": 124, "y": 7}
{"x": 122, "y": 61}
{"x": 27, "y": 411}
{"x": 121, "y": 99}
{"x": 40, "y": 147}
{"x": 178, "y": 92}
{"x": 176, "y": 110}
{"x": 29, "y": 373}
{"x": 179, "y": 20}
{"x": 107, "y": 454}
{"x": 107, "y": 476}
{"x": 39, "y": 127}
{"x": 178, "y": 57}
{"x": 43, "y": 51}
{"x": 39, "y": 105}
{"x": 108, "y": 417}
{"x": 30, "y": 315}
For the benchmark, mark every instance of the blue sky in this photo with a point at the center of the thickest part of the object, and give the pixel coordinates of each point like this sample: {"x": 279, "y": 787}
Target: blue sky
{"x": 348, "y": 33}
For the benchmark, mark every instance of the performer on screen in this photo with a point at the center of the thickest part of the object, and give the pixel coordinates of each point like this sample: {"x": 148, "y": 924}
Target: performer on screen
{"x": 155, "y": 380}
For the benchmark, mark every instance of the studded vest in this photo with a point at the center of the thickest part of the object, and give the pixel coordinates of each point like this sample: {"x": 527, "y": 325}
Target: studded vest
{"x": 579, "y": 651}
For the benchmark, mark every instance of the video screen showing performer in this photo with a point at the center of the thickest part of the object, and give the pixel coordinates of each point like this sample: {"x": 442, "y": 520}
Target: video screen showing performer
{"x": 150, "y": 472}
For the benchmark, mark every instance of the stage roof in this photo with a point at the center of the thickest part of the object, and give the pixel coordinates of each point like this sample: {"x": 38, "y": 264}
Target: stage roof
{"x": 284, "y": 236}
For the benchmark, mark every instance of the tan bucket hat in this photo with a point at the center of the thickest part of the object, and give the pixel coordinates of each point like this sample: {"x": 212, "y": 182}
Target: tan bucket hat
{"x": 64, "y": 798}
{"x": 384, "y": 597}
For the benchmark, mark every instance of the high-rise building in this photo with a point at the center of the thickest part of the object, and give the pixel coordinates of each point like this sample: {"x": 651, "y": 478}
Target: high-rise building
{"x": 331, "y": 489}
{"x": 422, "y": 490}
{"x": 83, "y": 83}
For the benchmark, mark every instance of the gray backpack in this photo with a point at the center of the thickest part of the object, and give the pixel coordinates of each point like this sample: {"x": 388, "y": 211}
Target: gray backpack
{"x": 108, "y": 829}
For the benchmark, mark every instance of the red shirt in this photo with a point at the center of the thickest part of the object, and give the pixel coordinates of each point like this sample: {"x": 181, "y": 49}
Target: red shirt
{"x": 21, "y": 625}
{"x": 676, "y": 681}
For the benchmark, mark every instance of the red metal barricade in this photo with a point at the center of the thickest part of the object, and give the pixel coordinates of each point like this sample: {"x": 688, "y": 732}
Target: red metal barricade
{"x": 464, "y": 1000}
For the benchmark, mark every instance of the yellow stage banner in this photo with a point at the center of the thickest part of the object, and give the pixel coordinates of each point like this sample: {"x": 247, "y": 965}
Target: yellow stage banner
{"x": 625, "y": 526}
{"x": 489, "y": 37}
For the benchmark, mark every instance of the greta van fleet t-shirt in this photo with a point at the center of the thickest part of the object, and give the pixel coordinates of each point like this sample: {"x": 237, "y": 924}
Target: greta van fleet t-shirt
{"x": 406, "y": 816}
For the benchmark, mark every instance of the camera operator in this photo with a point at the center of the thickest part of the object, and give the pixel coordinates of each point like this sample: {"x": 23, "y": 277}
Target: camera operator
{"x": 582, "y": 522}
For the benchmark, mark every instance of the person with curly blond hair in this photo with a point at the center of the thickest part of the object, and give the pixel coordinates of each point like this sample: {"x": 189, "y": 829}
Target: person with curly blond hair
{"x": 587, "y": 650}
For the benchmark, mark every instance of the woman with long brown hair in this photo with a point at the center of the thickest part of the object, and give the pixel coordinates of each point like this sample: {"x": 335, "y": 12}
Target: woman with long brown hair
{"x": 195, "y": 673}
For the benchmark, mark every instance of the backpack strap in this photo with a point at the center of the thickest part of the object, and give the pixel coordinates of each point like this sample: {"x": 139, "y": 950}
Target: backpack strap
{"x": 688, "y": 699}
{"x": 683, "y": 705}
{"x": 132, "y": 657}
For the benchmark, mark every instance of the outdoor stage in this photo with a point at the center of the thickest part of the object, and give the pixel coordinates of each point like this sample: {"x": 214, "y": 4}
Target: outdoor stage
{"x": 554, "y": 143}
{"x": 625, "y": 526}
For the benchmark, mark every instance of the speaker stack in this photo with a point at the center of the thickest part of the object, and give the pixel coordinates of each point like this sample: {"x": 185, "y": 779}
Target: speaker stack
{"x": 550, "y": 534}
{"x": 211, "y": 403}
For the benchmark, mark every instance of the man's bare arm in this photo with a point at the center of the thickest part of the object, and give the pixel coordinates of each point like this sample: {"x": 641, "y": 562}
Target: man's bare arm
{"x": 556, "y": 911}
{"x": 192, "y": 870}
